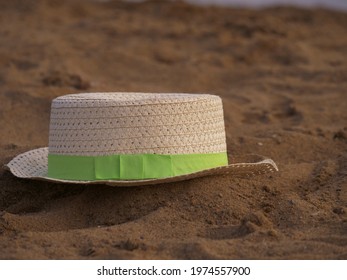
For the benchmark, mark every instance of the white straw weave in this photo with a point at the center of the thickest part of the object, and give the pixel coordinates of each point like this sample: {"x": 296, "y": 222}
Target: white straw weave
{"x": 34, "y": 165}
{"x": 136, "y": 123}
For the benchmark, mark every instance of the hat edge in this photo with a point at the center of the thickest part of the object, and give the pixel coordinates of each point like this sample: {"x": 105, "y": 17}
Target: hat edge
{"x": 241, "y": 170}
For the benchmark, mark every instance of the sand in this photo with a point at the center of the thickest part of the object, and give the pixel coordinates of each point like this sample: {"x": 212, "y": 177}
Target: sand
{"x": 282, "y": 75}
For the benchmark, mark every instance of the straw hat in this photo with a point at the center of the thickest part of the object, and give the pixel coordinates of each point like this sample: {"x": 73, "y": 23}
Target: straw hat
{"x": 127, "y": 139}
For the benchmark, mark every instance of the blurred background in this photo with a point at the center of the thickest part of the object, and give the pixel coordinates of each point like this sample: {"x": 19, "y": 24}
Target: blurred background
{"x": 50, "y": 47}
{"x": 332, "y": 4}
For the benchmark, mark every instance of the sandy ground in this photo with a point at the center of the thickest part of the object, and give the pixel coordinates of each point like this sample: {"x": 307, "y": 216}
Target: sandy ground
{"x": 282, "y": 75}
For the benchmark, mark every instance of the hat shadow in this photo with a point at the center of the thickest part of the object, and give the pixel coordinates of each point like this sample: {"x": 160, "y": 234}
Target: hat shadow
{"x": 28, "y": 205}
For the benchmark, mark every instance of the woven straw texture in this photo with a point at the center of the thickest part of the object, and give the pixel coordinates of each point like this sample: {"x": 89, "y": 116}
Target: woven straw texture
{"x": 96, "y": 124}
{"x": 34, "y": 165}
{"x": 92, "y": 124}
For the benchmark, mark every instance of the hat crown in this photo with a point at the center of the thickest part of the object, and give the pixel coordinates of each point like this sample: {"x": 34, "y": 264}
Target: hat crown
{"x": 136, "y": 123}
{"x": 107, "y": 99}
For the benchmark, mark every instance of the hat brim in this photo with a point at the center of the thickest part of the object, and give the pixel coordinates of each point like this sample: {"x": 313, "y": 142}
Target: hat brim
{"x": 34, "y": 165}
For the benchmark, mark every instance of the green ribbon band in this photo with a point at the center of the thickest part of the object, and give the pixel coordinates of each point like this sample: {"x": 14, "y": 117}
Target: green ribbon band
{"x": 130, "y": 167}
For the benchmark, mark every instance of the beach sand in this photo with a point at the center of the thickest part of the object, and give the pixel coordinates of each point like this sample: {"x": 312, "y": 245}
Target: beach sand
{"x": 282, "y": 75}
